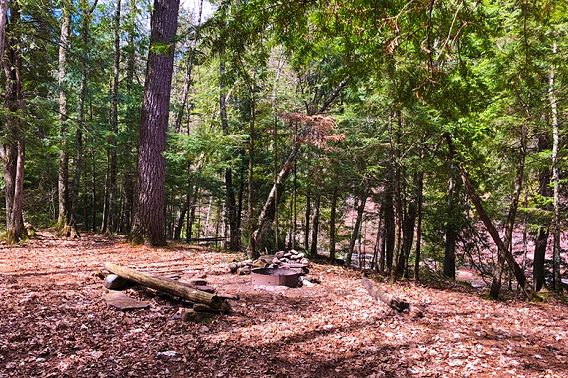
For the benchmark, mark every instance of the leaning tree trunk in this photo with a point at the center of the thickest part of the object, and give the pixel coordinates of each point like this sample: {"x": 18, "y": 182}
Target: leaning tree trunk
{"x": 474, "y": 197}
{"x": 149, "y": 218}
{"x": 268, "y": 210}
{"x": 510, "y": 223}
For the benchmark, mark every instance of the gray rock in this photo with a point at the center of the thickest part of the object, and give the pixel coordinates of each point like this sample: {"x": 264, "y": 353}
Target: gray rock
{"x": 114, "y": 282}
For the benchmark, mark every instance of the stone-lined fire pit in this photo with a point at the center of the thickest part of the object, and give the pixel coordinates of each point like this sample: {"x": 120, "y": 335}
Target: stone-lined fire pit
{"x": 284, "y": 268}
{"x": 275, "y": 277}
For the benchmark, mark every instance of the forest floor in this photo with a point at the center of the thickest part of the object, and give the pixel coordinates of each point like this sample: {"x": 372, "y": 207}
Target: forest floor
{"x": 54, "y": 322}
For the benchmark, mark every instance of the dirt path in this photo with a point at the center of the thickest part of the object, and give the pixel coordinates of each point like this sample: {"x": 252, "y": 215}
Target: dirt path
{"x": 54, "y": 323}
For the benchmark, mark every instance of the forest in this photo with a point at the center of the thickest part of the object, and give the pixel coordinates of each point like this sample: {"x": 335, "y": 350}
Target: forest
{"x": 405, "y": 159}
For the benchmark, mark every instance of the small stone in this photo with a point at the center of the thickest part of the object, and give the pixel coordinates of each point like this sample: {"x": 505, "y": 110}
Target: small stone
{"x": 233, "y": 267}
{"x": 245, "y": 270}
{"x": 279, "y": 254}
{"x": 167, "y": 353}
{"x": 114, "y": 282}
{"x": 328, "y": 327}
{"x": 198, "y": 282}
{"x": 305, "y": 261}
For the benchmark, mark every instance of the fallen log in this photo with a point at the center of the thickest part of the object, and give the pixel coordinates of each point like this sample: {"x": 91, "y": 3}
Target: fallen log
{"x": 171, "y": 287}
{"x": 390, "y": 300}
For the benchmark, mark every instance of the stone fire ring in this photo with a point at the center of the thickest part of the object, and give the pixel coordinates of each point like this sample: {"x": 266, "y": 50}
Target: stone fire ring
{"x": 275, "y": 277}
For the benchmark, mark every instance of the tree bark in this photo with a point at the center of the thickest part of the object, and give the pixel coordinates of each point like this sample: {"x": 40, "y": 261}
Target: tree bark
{"x": 111, "y": 217}
{"x": 149, "y": 218}
{"x": 13, "y": 152}
{"x": 63, "y": 179}
{"x": 250, "y": 171}
{"x": 555, "y": 176}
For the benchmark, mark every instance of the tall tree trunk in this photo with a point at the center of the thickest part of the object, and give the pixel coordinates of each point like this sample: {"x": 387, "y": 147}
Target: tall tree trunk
{"x": 451, "y": 226}
{"x": 275, "y": 147}
{"x": 188, "y": 70}
{"x": 149, "y": 217}
{"x": 191, "y": 215}
{"x": 129, "y": 175}
{"x": 63, "y": 179}
{"x": 420, "y": 190}
{"x": 13, "y": 152}
{"x": 474, "y": 197}
{"x": 332, "y": 224}
{"x": 390, "y": 226}
{"x": 555, "y": 176}
{"x": 315, "y": 227}
{"x": 307, "y": 218}
{"x": 357, "y": 226}
{"x": 111, "y": 217}
{"x": 408, "y": 231}
{"x": 250, "y": 170}
{"x": 294, "y": 206}
{"x": 93, "y": 193}
{"x": 543, "y": 229}
{"x": 181, "y": 219}
{"x": 234, "y": 234}
{"x": 71, "y": 229}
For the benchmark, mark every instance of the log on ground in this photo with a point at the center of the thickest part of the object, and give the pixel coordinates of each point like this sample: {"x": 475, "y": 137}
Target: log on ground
{"x": 170, "y": 286}
{"x": 390, "y": 300}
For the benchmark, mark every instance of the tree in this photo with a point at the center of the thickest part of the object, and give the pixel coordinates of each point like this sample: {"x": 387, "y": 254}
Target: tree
{"x": 13, "y": 150}
{"x": 149, "y": 215}
{"x": 63, "y": 180}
